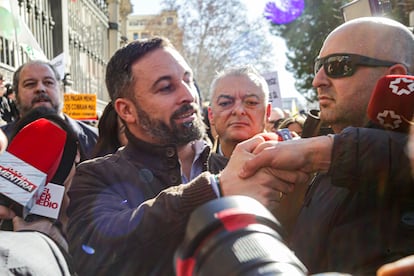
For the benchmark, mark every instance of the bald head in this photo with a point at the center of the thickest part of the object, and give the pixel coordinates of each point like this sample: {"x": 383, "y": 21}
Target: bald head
{"x": 378, "y": 37}
{"x": 275, "y": 114}
{"x": 343, "y": 98}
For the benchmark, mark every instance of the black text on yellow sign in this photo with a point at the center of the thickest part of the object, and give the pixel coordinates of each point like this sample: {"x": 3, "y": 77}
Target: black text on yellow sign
{"x": 80, "y": 106}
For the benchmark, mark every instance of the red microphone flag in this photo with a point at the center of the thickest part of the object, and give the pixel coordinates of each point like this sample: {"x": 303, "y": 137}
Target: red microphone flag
{"x": 30, "y": 162}
{"x": 392, "y": 103}
{"x": 40, "y": 144}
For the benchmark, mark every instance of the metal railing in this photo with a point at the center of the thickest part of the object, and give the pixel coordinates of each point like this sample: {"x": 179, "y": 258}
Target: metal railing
{"x": 87, "y": 29}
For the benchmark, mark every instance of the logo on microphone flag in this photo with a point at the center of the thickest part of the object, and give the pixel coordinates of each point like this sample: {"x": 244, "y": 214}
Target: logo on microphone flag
{"x": 20, "y": 182}
{"x": 402, "y": 86}
{"x": 391, "y": 105}
{"x": 49, "y": 202}
{"x": 389, "y": 119}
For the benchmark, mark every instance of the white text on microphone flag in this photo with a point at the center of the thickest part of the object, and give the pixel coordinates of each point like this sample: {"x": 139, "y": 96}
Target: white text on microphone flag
{"x": 19, "y": 181}
{"x": 49, "y": 202}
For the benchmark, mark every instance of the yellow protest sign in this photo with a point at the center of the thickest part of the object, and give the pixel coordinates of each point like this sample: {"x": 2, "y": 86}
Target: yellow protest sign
{"x": 80, "y": 106}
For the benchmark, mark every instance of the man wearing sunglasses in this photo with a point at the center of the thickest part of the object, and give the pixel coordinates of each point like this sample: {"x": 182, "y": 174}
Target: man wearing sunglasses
{"x": 352, "y": 59}
{"x": 336, "y": 229}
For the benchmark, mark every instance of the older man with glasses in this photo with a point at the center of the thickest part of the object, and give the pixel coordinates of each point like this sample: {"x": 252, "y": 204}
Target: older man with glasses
{"x": 338, "y": 229}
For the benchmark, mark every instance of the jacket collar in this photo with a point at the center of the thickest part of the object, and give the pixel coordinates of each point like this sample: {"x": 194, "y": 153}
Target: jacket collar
{"x": 160, "y": 156}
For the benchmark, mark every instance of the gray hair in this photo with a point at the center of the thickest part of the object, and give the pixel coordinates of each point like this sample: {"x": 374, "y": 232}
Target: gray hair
{"x": 16, "y": 75}
{"x": 244, "y": 70}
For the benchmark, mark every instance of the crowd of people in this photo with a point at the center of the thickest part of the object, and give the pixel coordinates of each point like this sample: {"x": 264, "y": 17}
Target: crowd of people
{"x": 345, "y": 200}
{"x": 8, "y": 109}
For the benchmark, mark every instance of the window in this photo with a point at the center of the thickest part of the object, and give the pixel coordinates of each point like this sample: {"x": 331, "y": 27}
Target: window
{"x": 170, "y": 20}
{"x": 133, "y": 23}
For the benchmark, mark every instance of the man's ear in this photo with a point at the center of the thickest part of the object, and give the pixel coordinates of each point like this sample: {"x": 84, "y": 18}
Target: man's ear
{"x": 397, "y": 69}
{"x": 268, "y": 111}
{"x": 126, "y": 110}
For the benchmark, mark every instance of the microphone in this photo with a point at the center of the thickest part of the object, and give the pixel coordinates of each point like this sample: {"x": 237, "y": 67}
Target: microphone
{"x": 29, "y": 163}
{"x": 392, "y": 103}
{"x": 41, "y": 145}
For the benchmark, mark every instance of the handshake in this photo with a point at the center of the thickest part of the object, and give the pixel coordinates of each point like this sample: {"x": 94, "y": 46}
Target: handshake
{"x": 267, "y": 169}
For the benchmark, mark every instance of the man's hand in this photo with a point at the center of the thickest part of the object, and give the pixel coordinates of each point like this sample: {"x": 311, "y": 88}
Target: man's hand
{"x": 267, "y": 185}
{"x": 289, "y": 164}
{"x": 6, "y": 213}
{"x": 404, "y": 266}
{"x": 307, "y": 155}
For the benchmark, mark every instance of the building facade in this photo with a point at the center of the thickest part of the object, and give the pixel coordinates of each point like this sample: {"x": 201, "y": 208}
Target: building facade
{"x": 163, "y": 24}
{"x": 83, "y": 33}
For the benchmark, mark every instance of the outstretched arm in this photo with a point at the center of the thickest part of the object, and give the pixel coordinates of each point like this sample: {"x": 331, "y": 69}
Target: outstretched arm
{"x": 266, "y": 185}
{"x": 307, "y": 155}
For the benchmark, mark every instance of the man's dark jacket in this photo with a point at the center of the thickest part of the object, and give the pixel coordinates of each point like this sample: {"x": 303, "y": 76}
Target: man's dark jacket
{"x": 128, "y": 211}
{"x": 217, "y": 162}
{"x": 361, "y": 213}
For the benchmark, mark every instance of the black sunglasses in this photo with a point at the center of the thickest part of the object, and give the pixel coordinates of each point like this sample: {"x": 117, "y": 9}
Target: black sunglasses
{"x": 344, "y": 65}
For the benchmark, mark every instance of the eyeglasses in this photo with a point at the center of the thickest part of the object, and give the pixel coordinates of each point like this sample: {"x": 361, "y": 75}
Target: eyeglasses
{"x": 345, "y": 65}
{"x": 276, "y": 123}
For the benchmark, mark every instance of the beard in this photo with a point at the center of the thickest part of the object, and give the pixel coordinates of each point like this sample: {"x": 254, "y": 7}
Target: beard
{"x": 178, "y": 134}
{"x": 41, "y": 99}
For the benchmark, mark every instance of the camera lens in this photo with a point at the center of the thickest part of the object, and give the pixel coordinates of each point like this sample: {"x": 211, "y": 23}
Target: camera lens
{"x": 235, "y": 236}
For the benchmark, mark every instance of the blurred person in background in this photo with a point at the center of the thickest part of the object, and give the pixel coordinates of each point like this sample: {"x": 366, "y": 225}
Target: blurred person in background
{"x": 211, "y": 132}
{"x": 9, "y": 108}
{"x": 239, "y": 109}
{"x": 37, "y": 83}
{"x": 294, "y": 124}
{"x": 3, "y": 90}
{"x": 111, "y": 132}
{"x": 276, "y": 116}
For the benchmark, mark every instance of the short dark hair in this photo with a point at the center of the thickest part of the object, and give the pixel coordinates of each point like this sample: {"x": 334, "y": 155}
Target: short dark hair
{"x": 119, "y": 77}
{"x": 108, "y": 127}
{"x": 16, "y": 75}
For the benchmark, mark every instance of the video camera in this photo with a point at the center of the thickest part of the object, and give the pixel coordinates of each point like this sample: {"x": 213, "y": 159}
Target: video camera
{"x": 235, "y": 236}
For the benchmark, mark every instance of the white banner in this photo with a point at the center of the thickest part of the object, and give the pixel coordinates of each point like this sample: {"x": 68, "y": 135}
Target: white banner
{"x": 275, "y": 97}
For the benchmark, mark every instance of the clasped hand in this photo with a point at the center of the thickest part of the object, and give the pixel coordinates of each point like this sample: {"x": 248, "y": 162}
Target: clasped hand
{"x": 264, "y": 182}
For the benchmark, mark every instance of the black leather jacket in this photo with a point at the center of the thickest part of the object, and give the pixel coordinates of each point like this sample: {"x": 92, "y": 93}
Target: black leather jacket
{"x": 128, "y": 211}
{"x": 361, "y": 213}
{"x": 217, "y": 162}
{"x": 87, "y": 135}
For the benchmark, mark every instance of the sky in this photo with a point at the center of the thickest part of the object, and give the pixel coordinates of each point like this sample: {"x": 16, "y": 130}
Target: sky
{"x": 255, "y": 9}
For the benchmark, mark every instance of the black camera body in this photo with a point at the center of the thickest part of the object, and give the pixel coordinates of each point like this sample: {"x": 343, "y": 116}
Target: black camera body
{"x": 235, "y": 236}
